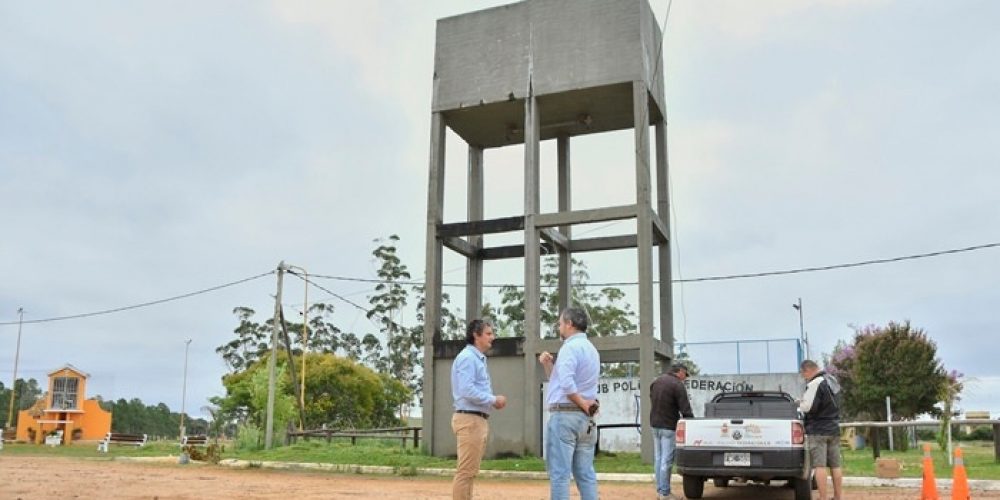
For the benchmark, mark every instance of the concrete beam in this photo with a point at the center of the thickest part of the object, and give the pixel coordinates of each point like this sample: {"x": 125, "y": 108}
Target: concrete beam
{"x": 660, "y": 232}
{"x": 532, "y": 273}
{"x": 663, "y": 212}
{"x": 565, "y": 205}
{"x": 556, "y": 238}
{"x": 644, "y": 256}
{"x": 480, "y": 227}
{"x": 602, "y": 243}
{"x": 513, "y": 251}
{"x": 586, "y": 216}
{"x": 461, "y": 246}
{"x": 434, "y": 273}
{"x": 473, "y": 263}
{"x": 575, "y": 246}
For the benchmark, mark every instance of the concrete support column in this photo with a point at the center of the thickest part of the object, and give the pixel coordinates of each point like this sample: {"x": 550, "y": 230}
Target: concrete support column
{"x": 644, "y": 255}
{"x": 432, "y": 283}
{"x": 663, "y": 209}
{"x": 474, "y": 265}
{"x": 565, "y": 205}
{"x": 532, "y": 278}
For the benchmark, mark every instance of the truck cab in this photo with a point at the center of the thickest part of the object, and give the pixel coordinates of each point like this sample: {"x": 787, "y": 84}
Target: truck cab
{"x": 750, "y": 436}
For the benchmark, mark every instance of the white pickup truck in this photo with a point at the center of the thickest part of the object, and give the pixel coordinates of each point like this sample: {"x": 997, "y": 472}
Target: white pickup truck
{"x": 751, "y": 436}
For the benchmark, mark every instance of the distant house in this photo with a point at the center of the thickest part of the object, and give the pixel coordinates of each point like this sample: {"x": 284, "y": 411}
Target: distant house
{"x": 64, "y": 411}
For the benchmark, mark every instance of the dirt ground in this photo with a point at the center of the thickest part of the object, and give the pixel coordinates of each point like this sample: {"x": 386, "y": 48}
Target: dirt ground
{"x": 29, "y": 478}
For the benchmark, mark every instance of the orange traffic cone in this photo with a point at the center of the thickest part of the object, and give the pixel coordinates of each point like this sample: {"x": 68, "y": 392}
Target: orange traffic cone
{"x": 929, "y": 489}
{"x": 959, "y": 481}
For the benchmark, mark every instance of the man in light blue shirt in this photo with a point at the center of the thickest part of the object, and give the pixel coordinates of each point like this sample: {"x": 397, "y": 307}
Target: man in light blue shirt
{"x": 571, "y": 399}
{"x": 474, "y": 400}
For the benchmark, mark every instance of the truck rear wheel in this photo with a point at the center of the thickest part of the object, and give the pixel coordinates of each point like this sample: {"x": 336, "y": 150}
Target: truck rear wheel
{"x": 694, "y": 486}
{"x": 803, "y": 488}
{"x": 721, "y": 482}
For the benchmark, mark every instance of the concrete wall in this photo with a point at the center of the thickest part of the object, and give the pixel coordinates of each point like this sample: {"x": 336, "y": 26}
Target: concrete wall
{"x": 620, "y": 402}
{"x": 506, "y": 426}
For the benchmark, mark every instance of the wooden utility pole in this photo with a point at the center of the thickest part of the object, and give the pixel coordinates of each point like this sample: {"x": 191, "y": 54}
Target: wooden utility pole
{"x": 17, "y": 356}
{"x": 272, "y": 362}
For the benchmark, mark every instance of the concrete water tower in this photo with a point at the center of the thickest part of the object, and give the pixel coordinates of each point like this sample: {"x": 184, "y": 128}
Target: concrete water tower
{"x": 521, "y": 74}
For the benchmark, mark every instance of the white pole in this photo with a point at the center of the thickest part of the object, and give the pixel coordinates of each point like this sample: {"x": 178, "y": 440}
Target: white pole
{"x": 888, "y": 418}
{"x": 802, "y": 328}
{"x": 187, "y": 344}
{"x": 949, "y": 444}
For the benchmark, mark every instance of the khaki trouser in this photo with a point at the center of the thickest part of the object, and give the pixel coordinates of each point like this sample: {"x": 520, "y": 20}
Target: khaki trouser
{"x": 471, "y": 432}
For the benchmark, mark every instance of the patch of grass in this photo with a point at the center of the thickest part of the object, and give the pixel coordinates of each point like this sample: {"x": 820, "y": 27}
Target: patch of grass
{"x": 89, "y": 450}
{"x": 393, "y": 455}
{"x": 978, "y": 455}
{"x": 979, "y": 460}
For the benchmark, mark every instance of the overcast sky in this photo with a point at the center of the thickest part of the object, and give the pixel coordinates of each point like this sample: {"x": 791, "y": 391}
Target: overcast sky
{"x": 155, "y": 148}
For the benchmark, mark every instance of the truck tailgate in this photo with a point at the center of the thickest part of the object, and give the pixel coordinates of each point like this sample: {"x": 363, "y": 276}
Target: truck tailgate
{"x": 738, "y": 433}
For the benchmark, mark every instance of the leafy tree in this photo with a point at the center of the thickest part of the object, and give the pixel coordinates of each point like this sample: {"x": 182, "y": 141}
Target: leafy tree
{"x": 609, "y": 313}
{"x": 387, "y": 306}
{"x": 948, "y": 393}
{"x": 135, "y": 417}
{"x": 896, "y": 360}
{"x": 343, "y": 393}
{"x": 339, "y": 393}
{"x": 27, "y": 393}
{"x": 251, "y": 342}
{"x": 246, "y": 394}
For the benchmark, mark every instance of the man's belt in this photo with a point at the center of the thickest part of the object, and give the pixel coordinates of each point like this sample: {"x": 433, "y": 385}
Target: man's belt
{"x": 486, "y": 416}
{"x": 565, "y": 407}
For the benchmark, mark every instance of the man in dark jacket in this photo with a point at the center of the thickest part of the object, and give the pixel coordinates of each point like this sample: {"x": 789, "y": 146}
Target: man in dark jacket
{"x": 669, "y": 403}
{"x": 822, "y": 419}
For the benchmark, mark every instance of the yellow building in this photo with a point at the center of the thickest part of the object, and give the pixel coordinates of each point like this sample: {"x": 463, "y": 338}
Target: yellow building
{"x": 64, "y": 410}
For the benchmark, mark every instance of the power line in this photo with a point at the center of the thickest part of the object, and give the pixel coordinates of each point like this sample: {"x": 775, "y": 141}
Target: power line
{"x": 144, "y": 304}
{"x": 724, "y": 277}
{"x": 368, "y": 313}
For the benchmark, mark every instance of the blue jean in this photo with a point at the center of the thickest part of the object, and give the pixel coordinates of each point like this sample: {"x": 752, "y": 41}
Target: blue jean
{"x": 664, "y": 442}
{"x": 569, "y": 449}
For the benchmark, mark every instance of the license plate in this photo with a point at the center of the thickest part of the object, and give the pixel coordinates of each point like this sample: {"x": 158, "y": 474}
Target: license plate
{"x": 736, "y": 459}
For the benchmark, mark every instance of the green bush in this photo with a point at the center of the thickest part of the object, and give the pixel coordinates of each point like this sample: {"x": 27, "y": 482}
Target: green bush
{"x": 248, "y": 437}
{"x": 977, "y": 434}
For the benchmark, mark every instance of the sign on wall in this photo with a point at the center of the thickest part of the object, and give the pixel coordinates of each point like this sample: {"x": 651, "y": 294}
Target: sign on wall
{"x": 621, "y": 403}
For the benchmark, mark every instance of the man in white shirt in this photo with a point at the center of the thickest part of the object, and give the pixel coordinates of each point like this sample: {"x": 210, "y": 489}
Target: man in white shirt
{"x": 571, "y": 398}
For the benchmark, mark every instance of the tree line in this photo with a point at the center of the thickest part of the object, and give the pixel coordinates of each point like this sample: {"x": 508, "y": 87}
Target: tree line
{"x": 28, "y": 391}
{"x": 135, "y": 417}
{"x": 897, "y": 359}
{"x": 128, "y": 416}
{"x": 385, "y": 353}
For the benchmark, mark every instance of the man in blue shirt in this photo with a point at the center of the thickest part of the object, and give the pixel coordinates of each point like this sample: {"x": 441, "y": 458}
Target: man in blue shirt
{"x": 571, "y": 399}
{"x": 474, "y": 399}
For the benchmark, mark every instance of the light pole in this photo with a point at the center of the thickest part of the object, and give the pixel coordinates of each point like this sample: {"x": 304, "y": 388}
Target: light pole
{"x": 187, "y": 344}
{"x": 802, "y": 330}
{"x": 17, "y": 357}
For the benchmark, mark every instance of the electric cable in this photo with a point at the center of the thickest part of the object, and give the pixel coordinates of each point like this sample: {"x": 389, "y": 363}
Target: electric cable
{"x": 725, "y": 277}
{"x": 141, "y": 305}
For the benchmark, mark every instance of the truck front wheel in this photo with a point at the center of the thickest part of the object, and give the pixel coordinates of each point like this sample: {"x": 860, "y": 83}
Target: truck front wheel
{"x": 694, "y": 486}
